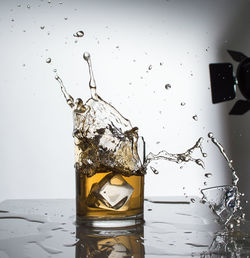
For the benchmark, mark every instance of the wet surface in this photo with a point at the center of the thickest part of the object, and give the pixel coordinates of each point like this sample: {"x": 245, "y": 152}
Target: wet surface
{"x": 173, "y": 226}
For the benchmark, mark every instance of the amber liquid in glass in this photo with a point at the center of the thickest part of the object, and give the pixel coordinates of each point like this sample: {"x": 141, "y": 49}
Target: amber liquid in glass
{"x": 89, "y": 207}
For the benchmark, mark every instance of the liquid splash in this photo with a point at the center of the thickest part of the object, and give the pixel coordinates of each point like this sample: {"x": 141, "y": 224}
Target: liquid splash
{"x": 68, "y": 97}
{"x": 178, "y": 158}
{"x": 106, "y": 140}
{"x": 225, "y": 200}
{"x": 235, "y": 177}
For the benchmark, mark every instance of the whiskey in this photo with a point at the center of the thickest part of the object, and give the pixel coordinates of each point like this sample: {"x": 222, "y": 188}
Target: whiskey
{"x": 109, "y": 195}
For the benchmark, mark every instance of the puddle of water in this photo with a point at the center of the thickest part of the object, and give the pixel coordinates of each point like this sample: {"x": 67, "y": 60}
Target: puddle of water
{"x": 171, "y": 229}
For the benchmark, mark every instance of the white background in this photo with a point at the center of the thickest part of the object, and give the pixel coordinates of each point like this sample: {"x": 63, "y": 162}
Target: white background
{"x": 124, "y": 38}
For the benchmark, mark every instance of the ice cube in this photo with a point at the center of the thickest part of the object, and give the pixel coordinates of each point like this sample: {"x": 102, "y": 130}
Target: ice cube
{"x": 113, "y": 248}
{"x": 111, "y": 193}
{"x": 119, "y": 250}
{"x": 223, "y": 200}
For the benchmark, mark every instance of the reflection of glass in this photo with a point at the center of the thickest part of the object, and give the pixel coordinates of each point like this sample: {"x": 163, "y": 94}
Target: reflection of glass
{"x": 108, "y": 198}
{"x": 112, "y": 243}
{"x": 230, "y": 244}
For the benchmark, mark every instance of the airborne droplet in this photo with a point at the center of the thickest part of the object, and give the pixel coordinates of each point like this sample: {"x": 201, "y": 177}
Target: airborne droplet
{"x": 210, "y": 135}
{"x": 86, "y": 56}
{"x": 200, "y": 163}
{"x": 195, "y": 117}
{"x": 167, "y": 86}
{"x": 208, "y": 175}
{"x": 154, "y": 170}
{"x": 79, "y": 34}
{"x": 48, "y": 60}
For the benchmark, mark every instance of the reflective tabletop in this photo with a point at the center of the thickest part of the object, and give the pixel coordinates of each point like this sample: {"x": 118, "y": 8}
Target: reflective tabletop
{"x": 174, "y": 227}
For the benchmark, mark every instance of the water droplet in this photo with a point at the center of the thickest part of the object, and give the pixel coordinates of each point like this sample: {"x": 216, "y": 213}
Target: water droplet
{"x": 200, "y": 163}
{"x": 79, "y": 34}
{"x": 86, "y": 56}
{"x": 205, "y": 183}
{"x": 154, "y": 170}
{"x": 65, "y": 18}
{"x": 48, "y": 60}
{"x": 18, "y": 5}
{"x": 183, "y": 103}
{"x": 42, "y": 27}
{"x": 210, "y": 135}
{"x": 192, "y": 200}
{"x": 167, "y": 86}
{"x": 195, "y": 117}
{"x": 28, "y": 6}
{"x": 12, "y": 20}
{"x": 161, "y": 63}
{"x": 150, "y": 67}
{"x": 54, "y": 70}
{"x": 208, "y": 175}
{"x": 75, "y": 41}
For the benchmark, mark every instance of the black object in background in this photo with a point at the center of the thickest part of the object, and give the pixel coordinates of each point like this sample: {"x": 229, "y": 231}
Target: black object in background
{"x": 223, "y": 82}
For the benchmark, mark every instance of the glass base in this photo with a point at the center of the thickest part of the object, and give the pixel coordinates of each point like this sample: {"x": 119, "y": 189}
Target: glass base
{"x": 111, "y": 222}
